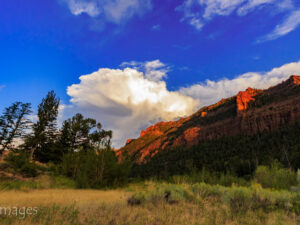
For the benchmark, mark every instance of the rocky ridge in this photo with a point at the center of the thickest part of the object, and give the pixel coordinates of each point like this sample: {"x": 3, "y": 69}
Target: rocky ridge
{"x": 248, "y": 112}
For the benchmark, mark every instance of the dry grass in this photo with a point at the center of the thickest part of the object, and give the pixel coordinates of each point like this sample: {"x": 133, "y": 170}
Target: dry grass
{"x": 84, "y": 207}
{"x": 82, "y": 198}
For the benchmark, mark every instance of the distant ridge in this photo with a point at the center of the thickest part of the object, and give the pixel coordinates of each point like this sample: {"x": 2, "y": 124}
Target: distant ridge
{"x": 248, "y": 112}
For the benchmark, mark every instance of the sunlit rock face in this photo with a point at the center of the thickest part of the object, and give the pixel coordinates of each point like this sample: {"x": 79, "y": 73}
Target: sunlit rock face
{"x": 295, "y": 79}
{"x": 159, "y": 128}
{"x": 244, "y": 97}
{"x": 248, "y": 112}
{"x": 129, "y": 141}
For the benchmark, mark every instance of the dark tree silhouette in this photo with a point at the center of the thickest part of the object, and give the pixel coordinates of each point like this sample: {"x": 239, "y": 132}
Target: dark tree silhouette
{"x": 13, "y": 124}
{"x": 45, "y": 129}
{"x": 83, "y": 133}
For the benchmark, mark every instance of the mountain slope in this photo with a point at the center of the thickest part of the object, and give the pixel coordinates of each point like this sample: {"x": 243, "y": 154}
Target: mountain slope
{"x": 249, "y": 112}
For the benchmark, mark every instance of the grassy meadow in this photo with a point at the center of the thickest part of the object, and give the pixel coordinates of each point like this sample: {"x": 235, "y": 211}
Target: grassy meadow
{"x": 188, "y": 204}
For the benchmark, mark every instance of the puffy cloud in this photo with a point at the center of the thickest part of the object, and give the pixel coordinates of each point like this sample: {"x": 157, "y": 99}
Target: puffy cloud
{"x": 153, "y": 70}
{"x": 287, "y": 26}
{"x": 115, "y": 11}
{"x": 127, "y": 100}
{"x": 212, "y": 91}
{"x": 199, "y": 12}
{"x": 79, "y": 7}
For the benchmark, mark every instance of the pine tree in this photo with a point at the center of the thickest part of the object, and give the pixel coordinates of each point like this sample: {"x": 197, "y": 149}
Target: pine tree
{"x": 13, "y": 124}
{"x": 45, "y": 132}
{"x": 83, "y": 133}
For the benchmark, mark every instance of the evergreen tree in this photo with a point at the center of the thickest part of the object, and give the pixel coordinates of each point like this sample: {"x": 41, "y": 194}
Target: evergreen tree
{"x": 42, "y": 142}
{"x": 13, "y": 124}
{"x": 83, "y": 133}
{"x": 95, "y": 169}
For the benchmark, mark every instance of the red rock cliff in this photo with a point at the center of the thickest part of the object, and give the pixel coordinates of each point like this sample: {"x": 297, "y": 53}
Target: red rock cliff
{"x": 244, "y": 97}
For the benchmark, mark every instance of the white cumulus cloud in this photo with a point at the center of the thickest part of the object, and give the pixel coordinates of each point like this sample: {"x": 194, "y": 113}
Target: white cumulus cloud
{"x": 115, "y": 11}
{"x": 153, "y": 70}
{"x": 127, "y": 100}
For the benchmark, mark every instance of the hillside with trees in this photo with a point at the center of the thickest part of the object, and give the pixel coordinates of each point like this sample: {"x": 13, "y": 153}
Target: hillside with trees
{"x": 250, "y": 112}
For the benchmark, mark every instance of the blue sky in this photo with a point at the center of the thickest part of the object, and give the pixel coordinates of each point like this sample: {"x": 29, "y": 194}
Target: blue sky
{"x": 193, "y": 52}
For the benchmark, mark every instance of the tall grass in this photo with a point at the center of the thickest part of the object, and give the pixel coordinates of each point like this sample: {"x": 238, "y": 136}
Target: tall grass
{"x": 224, "y": 179}
{"x": 238, "y": 199}
{"x": 193, "y": 204}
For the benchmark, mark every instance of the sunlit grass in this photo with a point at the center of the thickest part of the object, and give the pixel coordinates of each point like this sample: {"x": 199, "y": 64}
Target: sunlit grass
{"x": 195, "y": 204}
{"x": 65, "y": 197}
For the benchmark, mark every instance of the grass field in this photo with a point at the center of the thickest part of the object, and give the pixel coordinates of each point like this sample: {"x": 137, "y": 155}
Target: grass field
{"x": 191, "y": 204}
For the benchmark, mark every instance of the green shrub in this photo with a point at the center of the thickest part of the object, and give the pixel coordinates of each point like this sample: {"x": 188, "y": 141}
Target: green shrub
{"x": 21, "y": 164}
{"x": 158, "y": 194}
{"x": 178, "y": 192}
{"x": 275, "y": 177}
{"x": 138, "y": 197}
{"x": 95, "y": 169}
{"x": 29, "y": 170}
{"x": 283, "y": 199}
{"x": 228, "y": 180}
{"x": 238, "y": 198}
{"x": 205, "y": 190}
{"x": 62, "y": 182}
{"x": 179, "y": 179}
{"x": 241, "y": 199}
{"x": 205, "y": 176}
{"x": 297, "y": 188}
{"x": 267, "y": 199}
{"x": 296, "y": 203}
{"x": 19, "y": 185}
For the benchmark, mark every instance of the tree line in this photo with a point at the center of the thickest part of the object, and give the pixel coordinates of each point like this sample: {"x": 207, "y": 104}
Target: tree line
{"x": 80, "y": 149}
{"x": 237, "y": 155}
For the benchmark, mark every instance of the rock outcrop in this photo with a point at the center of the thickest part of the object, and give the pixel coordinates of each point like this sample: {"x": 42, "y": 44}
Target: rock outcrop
{"x": 159, "y": 128}
{"x": 244, "y": 97}
{"x": 295, "y": 79}
{"x": 248, "y": 112}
